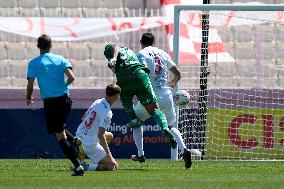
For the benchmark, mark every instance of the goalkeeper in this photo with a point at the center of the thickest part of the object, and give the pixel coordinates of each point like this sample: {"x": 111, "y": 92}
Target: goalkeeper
{"x": 133, "y": 78}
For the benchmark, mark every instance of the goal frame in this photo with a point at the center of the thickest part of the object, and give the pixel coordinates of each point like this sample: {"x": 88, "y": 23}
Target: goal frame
{"x": 206, "y": 8}
{"x": 210, "y": 7}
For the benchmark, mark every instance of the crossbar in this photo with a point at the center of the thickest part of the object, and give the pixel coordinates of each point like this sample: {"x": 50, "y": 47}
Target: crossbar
{"x": 233, "y": 7}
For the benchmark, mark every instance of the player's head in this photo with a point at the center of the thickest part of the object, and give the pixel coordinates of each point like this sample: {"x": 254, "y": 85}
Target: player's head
{"x": 44, "y": 42}
{"x": 112, "y": 93}
{"x": 109, "y": 51}
{"x": 147, "y": 39}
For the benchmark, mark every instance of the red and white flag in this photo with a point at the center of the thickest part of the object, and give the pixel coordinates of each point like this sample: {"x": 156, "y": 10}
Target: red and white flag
{"x": 191, "y": 35}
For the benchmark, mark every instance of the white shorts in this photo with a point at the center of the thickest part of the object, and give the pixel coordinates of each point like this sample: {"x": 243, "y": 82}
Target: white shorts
{"x": 95, "y": 152}
{"x": 166, "y": 104}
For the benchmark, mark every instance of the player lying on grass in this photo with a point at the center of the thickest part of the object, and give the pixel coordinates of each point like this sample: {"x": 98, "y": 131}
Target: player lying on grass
{"x": 133, "y": 78}
{"x": 159, "y": 63}
{"x": 93, "y": 134}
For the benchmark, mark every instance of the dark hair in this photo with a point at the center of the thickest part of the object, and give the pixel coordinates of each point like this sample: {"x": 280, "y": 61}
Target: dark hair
{"x": 112, "y": 90}
{"x": 109, "y": 50}
{"x": 147, "y": 39}
{"x": 44, "y": 42}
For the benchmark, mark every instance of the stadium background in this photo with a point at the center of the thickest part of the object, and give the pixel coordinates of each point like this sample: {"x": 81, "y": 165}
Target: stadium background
{"x": 23, "y": 133}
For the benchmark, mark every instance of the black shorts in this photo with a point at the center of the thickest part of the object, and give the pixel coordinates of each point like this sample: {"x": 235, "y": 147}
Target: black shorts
{"x": 56, "y": 110}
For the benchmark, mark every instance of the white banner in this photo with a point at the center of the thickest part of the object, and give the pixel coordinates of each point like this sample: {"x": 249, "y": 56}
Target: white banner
{"x": 72, "y": 29}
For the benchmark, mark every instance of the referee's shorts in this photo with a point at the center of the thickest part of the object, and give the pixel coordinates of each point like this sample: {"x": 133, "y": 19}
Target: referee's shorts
{"x": 56, "y": 110}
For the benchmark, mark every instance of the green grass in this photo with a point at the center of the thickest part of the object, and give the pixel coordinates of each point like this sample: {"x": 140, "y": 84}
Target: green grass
{"x": 43, "y": 173}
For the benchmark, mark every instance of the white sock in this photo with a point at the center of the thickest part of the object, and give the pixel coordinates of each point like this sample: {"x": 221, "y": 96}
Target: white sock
{"x": 134, "y": 120}
{"x": 138, "y": 138}
{"x": 92, "y": 166}
{"x": 179, "y": 139}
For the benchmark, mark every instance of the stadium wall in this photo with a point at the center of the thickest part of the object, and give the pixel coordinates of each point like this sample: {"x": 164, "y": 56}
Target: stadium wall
{"x": 238, "y": 122}
{"x": 23, "y": 133}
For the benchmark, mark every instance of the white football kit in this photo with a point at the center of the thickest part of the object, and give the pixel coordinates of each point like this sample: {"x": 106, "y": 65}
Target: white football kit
{"x": 98, "y": 115}
{"x": 159, "y": 62}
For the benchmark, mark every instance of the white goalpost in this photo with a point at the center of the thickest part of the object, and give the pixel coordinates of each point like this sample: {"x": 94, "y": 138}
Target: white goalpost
{"x": 230, "y": 57}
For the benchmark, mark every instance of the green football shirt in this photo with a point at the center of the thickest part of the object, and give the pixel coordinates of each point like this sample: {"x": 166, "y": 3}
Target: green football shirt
{"x": 127, "y": 66}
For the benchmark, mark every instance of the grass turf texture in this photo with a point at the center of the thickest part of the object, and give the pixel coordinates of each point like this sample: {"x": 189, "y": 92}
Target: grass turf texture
{"x": 43, "y": 173}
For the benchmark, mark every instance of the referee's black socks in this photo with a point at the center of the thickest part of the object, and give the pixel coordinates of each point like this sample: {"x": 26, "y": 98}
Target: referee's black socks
{"x": 69, "y": 151}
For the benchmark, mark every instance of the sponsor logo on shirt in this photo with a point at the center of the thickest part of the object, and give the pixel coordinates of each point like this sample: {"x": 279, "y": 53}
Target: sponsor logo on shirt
{"x": 89, "y": 122}
{"x": 105, "y": 106}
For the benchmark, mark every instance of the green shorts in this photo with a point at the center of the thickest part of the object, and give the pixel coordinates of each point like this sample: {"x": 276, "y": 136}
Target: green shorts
{"x": 141, "y": 87}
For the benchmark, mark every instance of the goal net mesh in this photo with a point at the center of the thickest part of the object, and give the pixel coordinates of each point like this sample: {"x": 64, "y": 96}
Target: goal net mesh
{"x": 245, "y": 99}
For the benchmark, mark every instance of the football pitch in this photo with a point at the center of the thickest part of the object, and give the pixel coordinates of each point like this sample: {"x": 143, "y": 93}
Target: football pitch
{"x": 44, "y": 173}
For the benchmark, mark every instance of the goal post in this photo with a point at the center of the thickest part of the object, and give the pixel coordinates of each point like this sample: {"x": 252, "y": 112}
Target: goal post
{"x": 244, "y": 118}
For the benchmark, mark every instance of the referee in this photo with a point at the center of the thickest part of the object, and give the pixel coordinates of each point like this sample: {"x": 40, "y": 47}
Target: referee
{"x": 49, "y": 70}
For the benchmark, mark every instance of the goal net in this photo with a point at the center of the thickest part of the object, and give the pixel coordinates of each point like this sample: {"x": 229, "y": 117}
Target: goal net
{"x": 235, "y": 79}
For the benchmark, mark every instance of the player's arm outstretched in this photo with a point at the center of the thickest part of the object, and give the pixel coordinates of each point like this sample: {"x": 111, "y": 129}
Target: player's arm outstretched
{"x": 109, "y": 161}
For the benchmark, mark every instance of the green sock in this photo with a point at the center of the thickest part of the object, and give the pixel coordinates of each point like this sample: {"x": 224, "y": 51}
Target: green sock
{"x": 160, "y": 118}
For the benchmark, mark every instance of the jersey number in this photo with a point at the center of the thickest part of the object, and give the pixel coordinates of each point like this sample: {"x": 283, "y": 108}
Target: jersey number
{"x": 89, "y": 122}
{"x": 158, "y": 65}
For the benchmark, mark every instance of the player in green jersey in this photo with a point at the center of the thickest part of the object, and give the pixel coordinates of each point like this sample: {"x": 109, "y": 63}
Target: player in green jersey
{"x": 133, "y": 78}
